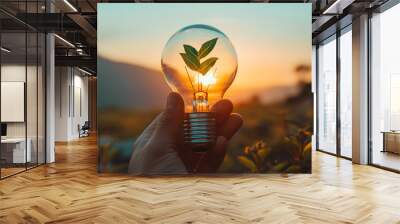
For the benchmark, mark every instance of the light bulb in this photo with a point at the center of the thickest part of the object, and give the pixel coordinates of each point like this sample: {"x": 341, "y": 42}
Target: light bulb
{"x": 200, "y": 63}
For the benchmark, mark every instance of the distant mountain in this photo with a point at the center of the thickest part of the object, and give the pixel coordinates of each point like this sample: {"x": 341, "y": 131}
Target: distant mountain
{"x": 267, "y": 95}
{"x": 278, "y": 94}
{"x": 128, "y": 86}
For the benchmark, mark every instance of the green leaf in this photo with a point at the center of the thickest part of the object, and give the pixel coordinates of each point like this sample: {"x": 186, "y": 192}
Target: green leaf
{"x": 190, "y": 51}
{"x": 307, "y": 147}
{"x": 247, "y": 163}
{"x": 191, "y": 62}
{"x": 263, "y": 153}
{"x": 255, "y": 158}
{"x": 280, "y": 166}
{"x": 207, "y": 65}
{"x": 207, "y": 47}
{"x": 293, "y": 169}
{"x": 307, "y": 151}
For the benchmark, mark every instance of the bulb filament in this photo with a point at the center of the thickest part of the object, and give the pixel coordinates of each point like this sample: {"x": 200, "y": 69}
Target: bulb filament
{"x": 200, "y": 84}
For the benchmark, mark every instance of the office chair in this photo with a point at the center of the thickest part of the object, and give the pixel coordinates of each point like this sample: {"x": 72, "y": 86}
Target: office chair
{"x": 84, "y": 130}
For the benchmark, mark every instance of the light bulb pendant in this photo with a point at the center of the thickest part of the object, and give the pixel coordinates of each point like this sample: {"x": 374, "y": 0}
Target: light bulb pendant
{"x": 200, "y": 130}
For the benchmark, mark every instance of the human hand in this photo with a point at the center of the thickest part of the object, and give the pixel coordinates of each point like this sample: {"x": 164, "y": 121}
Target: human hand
{"x": 160, "y": 149}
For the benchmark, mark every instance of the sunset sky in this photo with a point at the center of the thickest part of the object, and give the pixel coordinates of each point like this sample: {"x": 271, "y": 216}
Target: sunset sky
{"x": 270, "y": 39}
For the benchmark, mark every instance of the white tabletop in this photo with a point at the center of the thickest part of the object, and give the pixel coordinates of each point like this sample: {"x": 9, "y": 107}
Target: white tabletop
{"x": 12, "y": 140}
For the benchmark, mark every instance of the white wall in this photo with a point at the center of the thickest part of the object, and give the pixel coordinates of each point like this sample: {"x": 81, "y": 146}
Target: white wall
{"x": 62, "y": 82}
{"x": 80, "y": 112}
{"x": 71, "y": 93}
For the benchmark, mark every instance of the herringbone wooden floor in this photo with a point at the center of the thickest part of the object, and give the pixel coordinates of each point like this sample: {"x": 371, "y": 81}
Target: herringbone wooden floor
{"x": 70, "y": 191}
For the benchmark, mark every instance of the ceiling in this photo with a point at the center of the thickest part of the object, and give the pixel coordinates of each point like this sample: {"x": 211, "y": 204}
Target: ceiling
{"x": 75, "y": 21}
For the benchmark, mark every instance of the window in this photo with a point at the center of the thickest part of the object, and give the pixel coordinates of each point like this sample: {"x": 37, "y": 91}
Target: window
{"x": 345, "y": 93}
{"x": 327, "y": 96}
{"x": 385, "y": 89}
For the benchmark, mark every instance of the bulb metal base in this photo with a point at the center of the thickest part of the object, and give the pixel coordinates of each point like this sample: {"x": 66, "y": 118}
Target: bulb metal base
{"x": 200, "y": 130}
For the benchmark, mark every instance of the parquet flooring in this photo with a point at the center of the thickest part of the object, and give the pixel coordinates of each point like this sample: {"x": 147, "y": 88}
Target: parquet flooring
{"x": 71, "y": 191}
{"x": 11, "y": 170}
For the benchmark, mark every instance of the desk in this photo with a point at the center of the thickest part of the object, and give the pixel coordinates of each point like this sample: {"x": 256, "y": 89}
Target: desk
{"x": 13, "y": 150}
{"x": 391, "y": 141}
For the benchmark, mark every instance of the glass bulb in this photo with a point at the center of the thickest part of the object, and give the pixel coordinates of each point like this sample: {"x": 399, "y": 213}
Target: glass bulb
{"x": 200, "y": 63}
{"x": 202, "y": 81}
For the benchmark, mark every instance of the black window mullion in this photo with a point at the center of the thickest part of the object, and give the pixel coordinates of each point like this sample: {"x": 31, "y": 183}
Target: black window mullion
{"x": 45, "y": 88}
{"x": 37, "y": 90}
{"x": 317, "y": 96}
{"x": 338, "y": 77}
{"x": 369, "y": 90}
{"x": 26, "y": 86}
{"x": 45, "y": 95}
{"x": 73, "y": 92}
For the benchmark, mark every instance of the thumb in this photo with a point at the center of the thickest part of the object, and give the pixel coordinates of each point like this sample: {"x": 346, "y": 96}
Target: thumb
{"x": 169, "y": 125}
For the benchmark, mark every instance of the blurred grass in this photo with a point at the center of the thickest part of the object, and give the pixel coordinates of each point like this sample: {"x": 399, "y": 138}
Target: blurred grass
{"x": 275, "y": 138}
{"x": 122, "y": 124}
{"x": 118, "y": 129}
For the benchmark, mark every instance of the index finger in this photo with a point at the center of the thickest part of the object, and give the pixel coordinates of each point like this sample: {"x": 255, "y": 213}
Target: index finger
{"x": 223, "y": 109}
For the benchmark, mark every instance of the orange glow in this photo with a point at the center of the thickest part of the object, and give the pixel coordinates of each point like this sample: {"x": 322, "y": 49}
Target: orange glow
{"x": 207, "y": 79}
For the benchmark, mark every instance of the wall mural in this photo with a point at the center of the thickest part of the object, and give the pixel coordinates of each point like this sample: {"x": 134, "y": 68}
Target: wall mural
{"x": 204, "y": 88}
